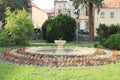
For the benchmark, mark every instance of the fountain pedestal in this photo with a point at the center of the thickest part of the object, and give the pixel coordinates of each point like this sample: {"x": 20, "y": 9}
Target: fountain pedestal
{"x": 60, "y": 49}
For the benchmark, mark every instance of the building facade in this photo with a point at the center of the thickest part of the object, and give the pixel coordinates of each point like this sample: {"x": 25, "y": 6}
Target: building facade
{"x": 83, "y": 18}
{"x": 39, "y": 16}
{"x": 61, "y": 7}
{"x": 109, "y": 13}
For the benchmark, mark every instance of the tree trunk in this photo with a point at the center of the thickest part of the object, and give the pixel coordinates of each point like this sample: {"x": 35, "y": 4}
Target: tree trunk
{"x": 91, "y": 23}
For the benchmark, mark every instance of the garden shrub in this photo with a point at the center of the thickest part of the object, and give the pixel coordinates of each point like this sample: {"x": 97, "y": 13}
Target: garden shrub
{"x": 104, "y": 31}
{"x": 62, "y": 26}
{"x": 113, "y": 42}
{"x": 96, "y": 44}
{"x": 19, "y": 28}
{"x": 53, "y": 32}
{"x": 44, "y": 27}
{"x": 114, "y": 29}
{"x": 4, "y": 39}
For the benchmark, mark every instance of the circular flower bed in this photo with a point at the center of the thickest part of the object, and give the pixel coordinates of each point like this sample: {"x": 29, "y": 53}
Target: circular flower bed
{"x": 23, "y": 57}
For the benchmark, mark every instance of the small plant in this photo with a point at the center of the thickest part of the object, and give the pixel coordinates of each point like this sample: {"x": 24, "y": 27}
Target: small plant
{"x": 113, "y": 42}
{"x": 96, "y": 44}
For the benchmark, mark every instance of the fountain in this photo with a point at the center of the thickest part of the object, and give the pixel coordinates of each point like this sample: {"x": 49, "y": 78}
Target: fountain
{"x": 24, "y": 56}
{"x": 59, "y": 56}
{"x": 60, "y": 44}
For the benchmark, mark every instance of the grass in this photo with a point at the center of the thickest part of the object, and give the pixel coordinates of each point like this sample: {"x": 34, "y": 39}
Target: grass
{"x": 44, "y": 43}
{"x": 40, "y": 43}
{"x": 10, "y": 71}
{"x": 72, "y": 43}
{"x": 14, "y": 72}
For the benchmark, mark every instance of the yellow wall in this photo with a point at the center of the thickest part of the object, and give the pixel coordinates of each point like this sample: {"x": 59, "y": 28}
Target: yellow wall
{"x": 38, "y": 17}
{"x": 107, "y": 20}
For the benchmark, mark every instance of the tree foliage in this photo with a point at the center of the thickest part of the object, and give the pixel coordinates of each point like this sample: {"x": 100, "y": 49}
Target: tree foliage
{"x": 44, "y": 27}
{"x": 105, "y": 31}
{"x": 77, "y": 3}
{"x": 14, "y": 5}
{"x": 62, "y": 26}
{"x": 4, "y": 39}
{"x": 113, "y": 42}
{"x": 19, "y": 28}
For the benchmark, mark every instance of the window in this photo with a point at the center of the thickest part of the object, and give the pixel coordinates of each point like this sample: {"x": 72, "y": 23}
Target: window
{"x": 102, "y": 14}
{"x": 59, "y": 11}
{"x": 111, "y": 14}
{"x": 87, "y": 12}
{"x": 64, "y": 5}
{"x": 59, "y": 5}
{"x": 52, "y": 15}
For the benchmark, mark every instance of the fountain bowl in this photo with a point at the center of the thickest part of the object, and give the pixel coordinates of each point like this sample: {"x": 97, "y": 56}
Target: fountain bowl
{"x": 60, "y": 42}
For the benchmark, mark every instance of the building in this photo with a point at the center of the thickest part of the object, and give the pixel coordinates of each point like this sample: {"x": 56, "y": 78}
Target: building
{"x": 83, "y": 19}
{"x": 50, "y": 12}
{"x": 109, "y": 13}
{"x": 61, "y": 7}
{"x": 39, "y": 16}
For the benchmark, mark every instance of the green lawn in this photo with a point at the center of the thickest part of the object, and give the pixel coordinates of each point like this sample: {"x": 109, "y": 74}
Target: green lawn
{"x": 44, "y": 43}
{"x": 14, "y": 72}
{"x": 10, "y": 71}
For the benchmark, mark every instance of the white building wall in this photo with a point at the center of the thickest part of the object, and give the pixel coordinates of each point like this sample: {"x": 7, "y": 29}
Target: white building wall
{"x": 62, "y": 5}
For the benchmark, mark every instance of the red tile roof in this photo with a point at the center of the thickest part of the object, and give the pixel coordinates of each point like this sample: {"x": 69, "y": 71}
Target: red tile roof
{"x": 111, "y": 4}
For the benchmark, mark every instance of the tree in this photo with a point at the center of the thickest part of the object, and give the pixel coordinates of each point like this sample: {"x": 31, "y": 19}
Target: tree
{"x": 19, "y": 28}
{"x": 4, "y": 39}
{"x": 62, "y": 26}
{"x": 13, "y": 4}
{"x": 44, "y": 27}
{"x": 90, "y": 4}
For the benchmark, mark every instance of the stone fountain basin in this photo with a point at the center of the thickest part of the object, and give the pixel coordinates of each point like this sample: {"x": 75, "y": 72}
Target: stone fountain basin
{"x": 60, "y": 42}
{"x": 68, "y": 50}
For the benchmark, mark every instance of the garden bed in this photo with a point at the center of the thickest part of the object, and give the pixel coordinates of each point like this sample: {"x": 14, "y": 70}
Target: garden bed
{"x": 22, "y": 57}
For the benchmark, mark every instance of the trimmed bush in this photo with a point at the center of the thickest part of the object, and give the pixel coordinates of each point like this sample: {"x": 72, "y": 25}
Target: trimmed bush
{"x": 62, "y": 26}
{"x": 113, "y": 42}
{"x": 44, "y": 27}
{"x": 104, "y": 31}
{"x": 96, "y": 44}
{"x": 114, "y": 29}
